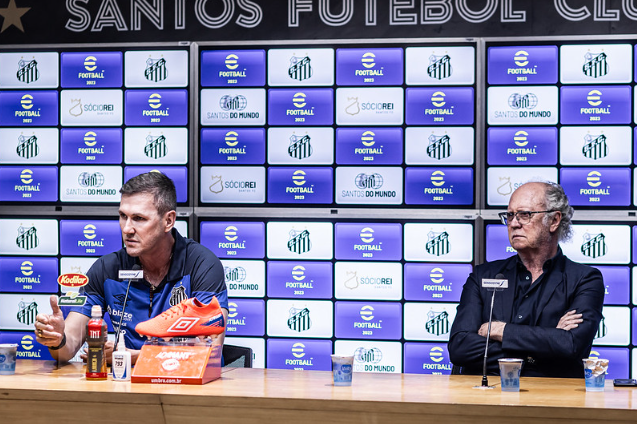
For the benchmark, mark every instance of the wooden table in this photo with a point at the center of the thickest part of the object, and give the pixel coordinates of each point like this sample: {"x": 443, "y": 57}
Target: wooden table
{"x": 40, "y": 392}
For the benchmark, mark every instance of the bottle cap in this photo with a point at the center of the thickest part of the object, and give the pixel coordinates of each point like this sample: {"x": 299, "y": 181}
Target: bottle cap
{"x": 96, "y": 311}
{"x": 121, "y": 344}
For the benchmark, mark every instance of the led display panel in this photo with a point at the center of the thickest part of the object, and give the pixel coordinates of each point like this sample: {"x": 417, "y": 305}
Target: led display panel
{"x": 341, "y": 125}
{"x": 65, "y": 107}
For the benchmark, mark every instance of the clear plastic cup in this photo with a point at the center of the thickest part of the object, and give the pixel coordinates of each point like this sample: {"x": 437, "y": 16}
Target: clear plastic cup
{"x": 510, "y": 374}
{"x": 595, "y": 374}
{"x": 342, "y": 367}
{"x": 8, "y": 353}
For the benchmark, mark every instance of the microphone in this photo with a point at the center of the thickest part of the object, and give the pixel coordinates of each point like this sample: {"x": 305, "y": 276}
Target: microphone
{"x": 134, "y": 274}
{"x": 491, "y": 284}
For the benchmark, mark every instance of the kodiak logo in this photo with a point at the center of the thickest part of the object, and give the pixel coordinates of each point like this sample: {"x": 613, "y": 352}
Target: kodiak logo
{"x": 155, "y": 69}
{"x": 299, "y": 319}
{"x": 300, "y": 68}
{"x": 27, "y": 238}
{"x": 439, "y": 67}
{"x": 28, "y": 71}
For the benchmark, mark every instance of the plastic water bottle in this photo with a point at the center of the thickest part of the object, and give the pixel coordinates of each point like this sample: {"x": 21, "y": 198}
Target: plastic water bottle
{"x": 121, "y": 363}
{"x": 96, "y": 335}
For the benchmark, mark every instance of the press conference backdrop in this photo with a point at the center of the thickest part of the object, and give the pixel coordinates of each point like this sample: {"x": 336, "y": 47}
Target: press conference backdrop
{"x": 348, "y": 187}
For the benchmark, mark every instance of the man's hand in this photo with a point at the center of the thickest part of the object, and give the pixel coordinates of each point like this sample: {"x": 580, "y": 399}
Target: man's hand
{"x": 49, "y": 329}
{"x": 497, "y": 330}
{"x": 570, "y": 320}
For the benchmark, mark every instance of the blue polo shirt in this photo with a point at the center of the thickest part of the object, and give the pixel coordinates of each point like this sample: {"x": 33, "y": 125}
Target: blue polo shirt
{"x": 194, "y": 272}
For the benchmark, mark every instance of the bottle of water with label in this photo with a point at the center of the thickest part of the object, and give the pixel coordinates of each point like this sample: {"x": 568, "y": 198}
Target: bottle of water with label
{"x": 96, "y": 335}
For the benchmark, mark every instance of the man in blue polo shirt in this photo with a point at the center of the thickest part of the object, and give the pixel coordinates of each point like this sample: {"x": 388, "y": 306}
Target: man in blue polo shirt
{"x": 174, "y": 269}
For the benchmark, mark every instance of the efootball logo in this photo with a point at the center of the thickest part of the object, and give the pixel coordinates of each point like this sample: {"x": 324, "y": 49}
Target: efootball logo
{"x": 368, "y": 60}
{"x": 521, "y": 58}
{"x": 90, "y": 63}
{"x": 521, "y": 138}
{"x": 90, "y": 231}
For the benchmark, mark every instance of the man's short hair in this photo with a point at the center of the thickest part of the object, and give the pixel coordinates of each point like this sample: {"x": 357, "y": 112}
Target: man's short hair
{"x": 159, "y": 185}
{"x": 556, "y": 200}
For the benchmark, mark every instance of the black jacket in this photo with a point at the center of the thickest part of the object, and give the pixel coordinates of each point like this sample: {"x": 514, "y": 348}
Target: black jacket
{"x": 546, "y": 350}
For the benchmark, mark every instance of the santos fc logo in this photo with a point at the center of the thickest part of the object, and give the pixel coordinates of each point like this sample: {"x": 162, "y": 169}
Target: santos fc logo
{"x": 27, "y": 238}
{"x": 299, "y": 319}
{"x": 28, "y": 71}
{"x": 155, "y": 69}
{"x": 300, "y": 68}
{"x": 594, "y": 245}
{"x": 299, "y": 242}
{"x": 439, "y": 67}
{"x": 27, "y": 146}
{"x": 27, "y": 312}
{"x": 595, "y": 64}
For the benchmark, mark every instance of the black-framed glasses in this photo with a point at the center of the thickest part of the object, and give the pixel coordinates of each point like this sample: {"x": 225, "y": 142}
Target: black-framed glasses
{"x": 524, "y": 217}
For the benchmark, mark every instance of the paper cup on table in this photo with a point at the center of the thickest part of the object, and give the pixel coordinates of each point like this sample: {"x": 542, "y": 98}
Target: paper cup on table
{"x": 8, "y": 353}
{"x": 510, "y": 374}
{"x": 342, "y": 367}
{"x": 595, "y": 374}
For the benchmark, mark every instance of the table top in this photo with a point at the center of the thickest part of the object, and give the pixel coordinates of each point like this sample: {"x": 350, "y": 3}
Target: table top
{"x": 45, "y": 379}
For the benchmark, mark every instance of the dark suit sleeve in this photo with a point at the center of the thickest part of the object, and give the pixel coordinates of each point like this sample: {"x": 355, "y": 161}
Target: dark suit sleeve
{"x": 466, "y": 346}
{"x": 550, "y": 342}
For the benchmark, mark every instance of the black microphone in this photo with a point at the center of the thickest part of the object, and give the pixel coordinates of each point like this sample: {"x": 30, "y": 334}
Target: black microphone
{"x": 134, "y": 274}
{"x": 498, "y": 283}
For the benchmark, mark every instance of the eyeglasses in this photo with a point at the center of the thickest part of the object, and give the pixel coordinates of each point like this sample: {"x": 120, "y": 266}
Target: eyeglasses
{"x": 524, "y": 217}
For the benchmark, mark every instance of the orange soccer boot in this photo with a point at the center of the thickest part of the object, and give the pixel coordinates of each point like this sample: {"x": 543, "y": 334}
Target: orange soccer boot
{"x": 190, "y": 318}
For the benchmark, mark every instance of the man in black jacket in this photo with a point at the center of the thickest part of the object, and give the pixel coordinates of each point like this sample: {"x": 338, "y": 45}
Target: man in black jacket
{"x": 551, "y": 310}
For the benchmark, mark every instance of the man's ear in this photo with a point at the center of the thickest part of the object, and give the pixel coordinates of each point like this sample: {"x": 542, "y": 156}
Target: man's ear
{"x": 555, "y": 221}
{"x": 169, "y": 221}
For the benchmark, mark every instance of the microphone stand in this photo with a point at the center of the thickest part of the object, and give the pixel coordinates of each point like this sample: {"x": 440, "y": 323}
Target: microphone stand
{"x": 485, "y": 380}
